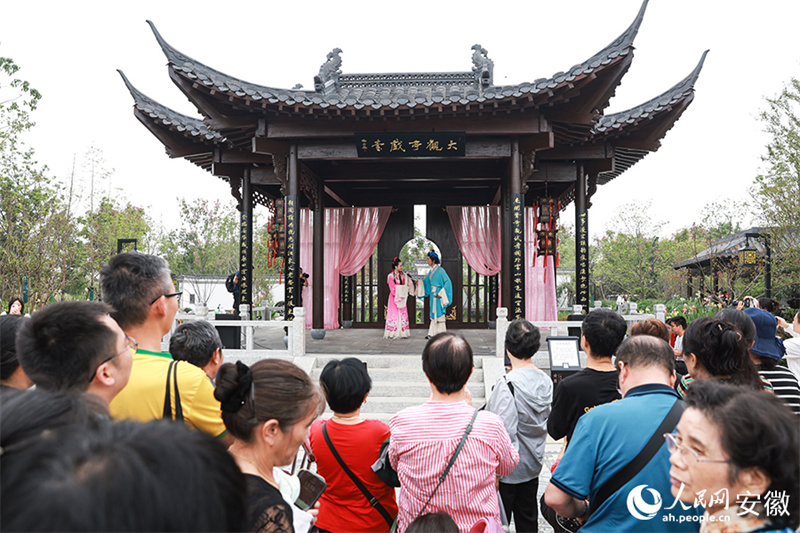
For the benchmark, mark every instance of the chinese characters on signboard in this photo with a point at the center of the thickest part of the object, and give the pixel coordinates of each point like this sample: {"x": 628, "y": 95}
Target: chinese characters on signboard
{"x": 244, "y": 258}
{"x": 582, "y": 262}
{"x": 346, "y": 289}
{"x": 430, "y": 144}
{"x": 517, "y": 257}
{"x": 292, "y": 242}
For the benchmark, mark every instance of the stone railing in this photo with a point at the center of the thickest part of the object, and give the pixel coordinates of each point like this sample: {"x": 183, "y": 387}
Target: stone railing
{"x": 295, "y": 328}
{"x": 561, "y": 326}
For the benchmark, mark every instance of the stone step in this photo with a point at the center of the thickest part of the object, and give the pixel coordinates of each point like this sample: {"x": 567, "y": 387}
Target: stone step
{"x": 399, "y": 382}
{"x": 396, "y": 403}
{"x": 401, "y": 374}
{"x": 420, "y": 389}
{"x": 385, "y": 361}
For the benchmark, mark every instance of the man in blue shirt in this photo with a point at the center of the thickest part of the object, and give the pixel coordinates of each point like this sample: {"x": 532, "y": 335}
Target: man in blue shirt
{"x": 609, "y": 436}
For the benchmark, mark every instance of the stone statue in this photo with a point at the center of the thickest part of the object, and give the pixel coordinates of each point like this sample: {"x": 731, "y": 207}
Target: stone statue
{"x": 329, "y": 71}
{"x": 483, "y": 67}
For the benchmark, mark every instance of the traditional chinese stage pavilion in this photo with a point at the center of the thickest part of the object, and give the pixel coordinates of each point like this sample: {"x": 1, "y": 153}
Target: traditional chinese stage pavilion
{"x": 490, "y": 163}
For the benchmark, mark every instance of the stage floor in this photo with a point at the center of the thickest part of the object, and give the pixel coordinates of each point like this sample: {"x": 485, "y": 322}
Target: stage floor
{"x": 371, "y": 341}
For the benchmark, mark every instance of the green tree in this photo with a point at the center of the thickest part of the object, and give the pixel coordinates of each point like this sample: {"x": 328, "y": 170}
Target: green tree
{"x": 35, "y": 223}
{"x": 566, "y": 260}
{"x": 417, "y": 248}
{"x": 100, "y": 229}
{"x": 206, "y": 243}
{"x": 777, "y": 189}
{"x": 628, "y": 259}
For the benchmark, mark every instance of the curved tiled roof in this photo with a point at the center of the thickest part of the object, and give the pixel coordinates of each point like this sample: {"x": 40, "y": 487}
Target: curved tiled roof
{"x": 625, "y": 122}
{"x": 646, "y": 111}
{"x": 189, "y": 127}
{"x": 360, "y": 91}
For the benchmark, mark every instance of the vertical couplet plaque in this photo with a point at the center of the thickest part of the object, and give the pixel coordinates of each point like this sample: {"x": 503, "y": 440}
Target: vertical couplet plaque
{"x": 292, "y": 254}
{"x": 517, "y": 307}
{"x": 347, "y": 284}
{"x": 245, "y": 247}
{"x": 582, "y": 263}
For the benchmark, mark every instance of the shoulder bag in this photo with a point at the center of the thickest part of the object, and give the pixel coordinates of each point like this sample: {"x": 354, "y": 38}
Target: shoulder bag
{"x": 172, "y": 372}
{"x": 623, "y": 476}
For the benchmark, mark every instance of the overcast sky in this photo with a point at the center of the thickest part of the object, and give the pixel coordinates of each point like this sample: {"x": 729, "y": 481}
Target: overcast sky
{"x": 70, "y": 50}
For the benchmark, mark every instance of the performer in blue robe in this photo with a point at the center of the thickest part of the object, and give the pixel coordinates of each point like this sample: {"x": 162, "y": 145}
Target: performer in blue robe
{"x": 440, "y": 289}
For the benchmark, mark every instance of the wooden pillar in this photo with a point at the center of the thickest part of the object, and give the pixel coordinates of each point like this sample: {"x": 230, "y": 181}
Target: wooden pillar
{"x": 688, "y": 281}
{"x": 318, "y": 318}
{"x": 292, "y": 235}
{"x": 493, "y": 294}
{"x": 581, "y": 241}
{"x": 246, "y": 247}
{"x": 517, "y": 230}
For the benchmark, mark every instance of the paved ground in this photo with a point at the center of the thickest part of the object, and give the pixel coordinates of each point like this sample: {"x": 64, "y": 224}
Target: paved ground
{"x": 371, "y": 342}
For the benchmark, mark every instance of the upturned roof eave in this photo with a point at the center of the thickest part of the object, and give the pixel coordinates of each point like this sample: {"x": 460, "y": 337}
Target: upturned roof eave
{"x": 163, "y": 116}
{"x": 654, "y": 106}
{"x": 380, "y": 99}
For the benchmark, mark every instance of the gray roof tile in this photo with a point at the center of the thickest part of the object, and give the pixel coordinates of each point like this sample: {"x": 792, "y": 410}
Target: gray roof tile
{"x": 172, "y": 119}
{"x": 646, "y": 110}
{"x": 396, "y": 89}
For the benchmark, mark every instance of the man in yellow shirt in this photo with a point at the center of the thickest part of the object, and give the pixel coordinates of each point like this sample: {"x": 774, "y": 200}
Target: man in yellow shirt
{"x": 140, "y": 289}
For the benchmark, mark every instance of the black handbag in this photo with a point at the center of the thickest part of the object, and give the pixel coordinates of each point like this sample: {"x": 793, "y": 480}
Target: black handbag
{"x": 382, "y": 468}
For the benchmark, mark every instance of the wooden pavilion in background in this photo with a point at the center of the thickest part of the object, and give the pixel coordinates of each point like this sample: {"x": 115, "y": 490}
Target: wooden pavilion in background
{"x": 546, "y": 138}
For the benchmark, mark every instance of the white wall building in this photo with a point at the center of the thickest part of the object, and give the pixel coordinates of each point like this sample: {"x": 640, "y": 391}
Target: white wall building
{"x": 210, "y": 289}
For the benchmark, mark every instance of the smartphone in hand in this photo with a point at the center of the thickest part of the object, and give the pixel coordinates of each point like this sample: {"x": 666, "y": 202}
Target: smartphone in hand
{"x": 311, "y": 488}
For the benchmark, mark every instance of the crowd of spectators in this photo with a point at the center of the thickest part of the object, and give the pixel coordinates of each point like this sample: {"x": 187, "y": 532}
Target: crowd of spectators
{"x": 120, "y": 436}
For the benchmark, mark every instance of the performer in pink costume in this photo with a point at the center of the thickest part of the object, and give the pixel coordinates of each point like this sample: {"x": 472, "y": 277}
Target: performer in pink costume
{"x": 400, "y": 286}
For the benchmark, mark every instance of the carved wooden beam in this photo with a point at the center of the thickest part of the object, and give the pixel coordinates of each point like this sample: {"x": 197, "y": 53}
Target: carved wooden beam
{"x": 591, "y": 189}
{"x": 586, "y": 151}
{"x": 279, "y": 167}
{"x": 262, "y": 145}
{"x": 222, "y": 155}
{"x": 548, "y": 171}
{"x": 528, "y": 165}
{"x": 538, "y": 141}
{"x": 308, "y": 184}
{"x": 235, "y": 184}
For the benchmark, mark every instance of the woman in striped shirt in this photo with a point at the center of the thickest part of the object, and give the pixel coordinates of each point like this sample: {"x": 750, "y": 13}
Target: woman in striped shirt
{"x": 425, "y": 437}
{"x": 766, "y": 351}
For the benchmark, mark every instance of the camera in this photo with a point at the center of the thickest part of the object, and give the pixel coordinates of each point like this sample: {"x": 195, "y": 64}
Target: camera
{"x": 305, "y": 275}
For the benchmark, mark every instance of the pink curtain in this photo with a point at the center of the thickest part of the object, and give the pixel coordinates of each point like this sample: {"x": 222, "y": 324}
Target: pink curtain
{"x": 306, "y": 256}
{"x": 362, "y": 228}
{"x": 540, "y": 279}
{"x": 477, "y": 230}
{"x": 351, "y": 235}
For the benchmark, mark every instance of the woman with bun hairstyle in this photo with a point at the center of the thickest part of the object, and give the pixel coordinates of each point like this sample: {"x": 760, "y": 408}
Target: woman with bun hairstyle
{"x": 268, "y": 409}
{"x": 400, "y": 286}
{"x": 714, "y": 348}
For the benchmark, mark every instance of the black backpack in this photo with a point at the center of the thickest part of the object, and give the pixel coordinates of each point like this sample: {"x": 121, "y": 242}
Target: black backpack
{"x": 230, "y": 286}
